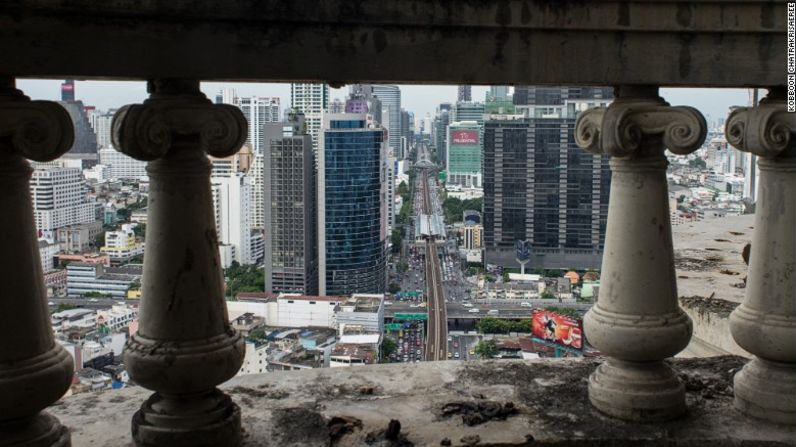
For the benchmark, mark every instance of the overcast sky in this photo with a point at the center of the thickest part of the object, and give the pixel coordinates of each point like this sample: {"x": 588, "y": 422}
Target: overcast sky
{"x": 420, "y": 99}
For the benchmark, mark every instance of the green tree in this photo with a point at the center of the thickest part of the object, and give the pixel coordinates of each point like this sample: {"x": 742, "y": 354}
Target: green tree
{"x": 244, "y": 278}
{"x": 140, "y": 230}
{"x": 394, "y": 288}
{"x": 63, "y": 307}
{"x": 99, "y": 240}
{"x": 388, "y": 346}
{"x": 397, "y": 239}
{"x": 548, "y": 295}
{"x": 563, "y": 311}
{"x": 402, "y": 267}
{"x": 486, "y": 348}
{"x": 698, "y": 163}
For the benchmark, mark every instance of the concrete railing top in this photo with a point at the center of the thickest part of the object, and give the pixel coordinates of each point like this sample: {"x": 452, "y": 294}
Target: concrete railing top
{"x": 670, "y": 43}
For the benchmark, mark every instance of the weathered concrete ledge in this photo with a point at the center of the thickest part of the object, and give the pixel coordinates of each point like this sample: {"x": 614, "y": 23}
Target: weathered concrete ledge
{"x": 711, "y": 279}
{"x": 490, "y": 403}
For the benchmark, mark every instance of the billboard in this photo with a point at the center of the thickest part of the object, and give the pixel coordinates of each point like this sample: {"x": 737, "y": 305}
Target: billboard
{"x": 556, "y": 328}
{"x": 464, "y": 137}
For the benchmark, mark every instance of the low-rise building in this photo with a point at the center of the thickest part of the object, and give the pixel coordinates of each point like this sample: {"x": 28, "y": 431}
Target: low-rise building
{"x": 79, "y": 238}
{"x": 295, "y": 310}
{"x": 48, "y": 253}
{"x": 121, "y": 246}
{"x": 348, "y": 354}
{"x": 116, "y": 318}
{"x": 84, "y": 278}
{"x": 362, "y": 313}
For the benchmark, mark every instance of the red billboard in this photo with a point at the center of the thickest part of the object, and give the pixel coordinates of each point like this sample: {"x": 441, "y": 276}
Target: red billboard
{"x": 464, "y": 137}
{"x": 556, "y": 328}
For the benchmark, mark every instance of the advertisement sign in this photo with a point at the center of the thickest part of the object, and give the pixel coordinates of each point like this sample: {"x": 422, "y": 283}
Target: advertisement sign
{"x": 464, "y": 137}
{"x": 558, "y": 329}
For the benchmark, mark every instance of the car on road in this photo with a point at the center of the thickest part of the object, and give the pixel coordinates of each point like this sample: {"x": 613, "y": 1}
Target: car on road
{"x": 493, "y": 312}
{"x": 93, "y": 300}
{"x": 474, "y": 311}
{"x": 467, "y": 305}
{"x": 50, "y": 303}
{"x": 450, "y": 354}
{"x": 456, "y": 355}
{"x": 526, "y": 304}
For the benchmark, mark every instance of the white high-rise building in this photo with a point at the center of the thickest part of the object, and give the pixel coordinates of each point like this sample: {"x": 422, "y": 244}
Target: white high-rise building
{"x": 123, "y": 166}
{"x": 313, "y": 101}
{"x": 390, "y": 97}
{"x": 231, "y": 203}
{"x": 101, "y": 123}
{"x": 59, "y": 199}
{"x": 257, "y": 110}
{"x": 256, "y": 176}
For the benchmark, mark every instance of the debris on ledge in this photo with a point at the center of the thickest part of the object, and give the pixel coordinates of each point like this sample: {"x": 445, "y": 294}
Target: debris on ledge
{"x": 512, "y": 402}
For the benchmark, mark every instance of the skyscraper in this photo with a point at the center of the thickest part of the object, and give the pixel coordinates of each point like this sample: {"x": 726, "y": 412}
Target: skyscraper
{"x": 59, "y": 199}
{"x": 258, "y": 110}
{"x": 465, "y": 94}
{"x": 289, "y": 189}
{"x": 68, "y": 90}
{"x": 539, "y": 186}
{"x": 352, "y": 208}
{"x": 463, "y": 154}
{"x": 390, "y": 97}
{"x": 468, "y": 111}
{"x": 313, "y": 101}
{"x": 499, "y": 92}
{"x": 231, "y": 203}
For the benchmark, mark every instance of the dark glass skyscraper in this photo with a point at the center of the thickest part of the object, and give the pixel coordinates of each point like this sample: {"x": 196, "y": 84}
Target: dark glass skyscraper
{"x": 539, "y": 186}
{"x": 352, "y": 213}
{"x": 289, "y": 188}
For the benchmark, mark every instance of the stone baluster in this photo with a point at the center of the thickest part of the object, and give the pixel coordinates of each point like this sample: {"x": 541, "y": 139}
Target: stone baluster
{"x": 637, "y": 322}
{"x": 765, "y": 324}
{"x": 185, "y": 345}
{"x": 35, "y": 371}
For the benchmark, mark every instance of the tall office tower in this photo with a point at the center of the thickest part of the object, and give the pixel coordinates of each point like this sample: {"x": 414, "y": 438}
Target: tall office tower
{"x": 258, "y": 111}
{"x": 465, "y": 94}
{"x": 406, "y": 135}
{"x": 539, "y": 186}
{"x": 68, "y": 90}
{"x": 337, "y": 106}
{"x": 231, "y": 202}
{"x": 468, "y": 111}
{"x": 240, "y": 161}
{"x": 289, "y": 189}
{"x": 122, "y": 166}
{"x": 440, "y": 133}
{"x": 352, "y": 206}
{"x": 84, "y": 146}
{"x": 101, "y": 123}
{"x": 225, "y": 96}
{"x": 257, "y": 178}
{"x": 499, "y": 92}
{"x": 313, "y": 101}
{"x": 365, "y": 91}
{"x": 427, "y": 125}
{"x": 528, "y": 95}
{"x": 59, "y": 199}
{"x": 390, "y": 97}
{"x": 463, "y": 154}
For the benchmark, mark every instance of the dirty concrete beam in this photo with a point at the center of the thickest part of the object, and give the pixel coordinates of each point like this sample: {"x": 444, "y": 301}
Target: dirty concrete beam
{"x": 671, "y": 43}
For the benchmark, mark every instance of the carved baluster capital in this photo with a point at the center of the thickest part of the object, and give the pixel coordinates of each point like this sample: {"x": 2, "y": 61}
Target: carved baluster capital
{"x": 174, "y": 113}
{"x": 619, "y": 129}
{"x": 38, "y": 130}
{"x": 765, "y": 130}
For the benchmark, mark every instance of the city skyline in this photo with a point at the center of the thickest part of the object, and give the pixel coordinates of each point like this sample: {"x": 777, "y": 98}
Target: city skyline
{"x": 420, "y": 99}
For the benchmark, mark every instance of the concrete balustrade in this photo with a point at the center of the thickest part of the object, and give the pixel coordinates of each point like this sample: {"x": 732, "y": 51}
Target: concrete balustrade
{"x": 765, "y": 323}
{"x": 35, "y": 371}
{"x": 185, "y": 345}
{"x": 637, "y": 322}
